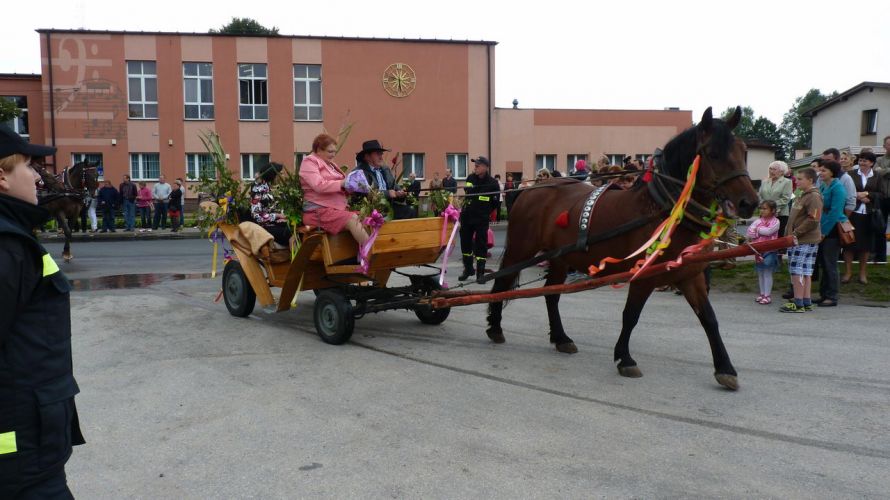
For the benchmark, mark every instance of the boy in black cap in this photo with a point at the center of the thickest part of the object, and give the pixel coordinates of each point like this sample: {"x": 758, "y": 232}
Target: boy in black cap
{"x": 38, "y": 419}
{"x": 480, "y": 190}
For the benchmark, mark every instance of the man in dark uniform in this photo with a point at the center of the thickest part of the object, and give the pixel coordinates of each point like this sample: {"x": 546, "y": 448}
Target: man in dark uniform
{"x": 38, "y": 419}
{"x": 480, "y": 191}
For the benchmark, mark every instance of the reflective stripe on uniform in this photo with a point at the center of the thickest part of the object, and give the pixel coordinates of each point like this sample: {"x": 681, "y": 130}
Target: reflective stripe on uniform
{"x": 467, "y": 254}
{"x": 49, "y": 265}
{"x": 7, "y": 443}
{"x": 469, "y": 184}
{"x": 484, "y": 198}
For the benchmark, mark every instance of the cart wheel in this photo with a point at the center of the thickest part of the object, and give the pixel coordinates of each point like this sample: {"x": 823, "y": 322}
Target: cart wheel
{"x": 237, "y": 292}
{"x": 333, "y": 317}
{"x": 426, "y": 314}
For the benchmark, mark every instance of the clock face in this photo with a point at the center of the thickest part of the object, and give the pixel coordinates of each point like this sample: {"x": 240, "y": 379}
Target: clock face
{"x": 399, "y": 80}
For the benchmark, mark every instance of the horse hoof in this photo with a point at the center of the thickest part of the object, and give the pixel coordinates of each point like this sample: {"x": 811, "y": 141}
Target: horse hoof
{"x": 568, "y": 348}
{"x": 496, "y": 336}
{"x": 67, "y": 258}
{"x": 629, "y": 371}
{"x": 731, "y": 382}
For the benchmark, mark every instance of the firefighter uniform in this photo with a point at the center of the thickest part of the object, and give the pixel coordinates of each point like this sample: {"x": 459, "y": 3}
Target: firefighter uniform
{"x": 481, "y": 191}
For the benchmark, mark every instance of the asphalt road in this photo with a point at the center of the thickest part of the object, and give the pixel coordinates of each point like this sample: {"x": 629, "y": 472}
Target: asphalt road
{"x": 181, "y": 400}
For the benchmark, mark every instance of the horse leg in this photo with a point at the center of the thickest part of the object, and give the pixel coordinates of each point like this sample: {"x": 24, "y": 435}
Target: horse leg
{"x": 696, "y": 293}
{"x": 512, "y": 255}
{"x": 66, "y": 252}
{"x": 557, "y": 276}
{"x": 637, "y": 295}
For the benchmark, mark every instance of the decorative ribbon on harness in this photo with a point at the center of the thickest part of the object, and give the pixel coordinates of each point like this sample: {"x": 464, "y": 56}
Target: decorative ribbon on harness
{"x": 450, "y": 214}
{"x": 661, "y": 238}
{"x": 375, "y": 222}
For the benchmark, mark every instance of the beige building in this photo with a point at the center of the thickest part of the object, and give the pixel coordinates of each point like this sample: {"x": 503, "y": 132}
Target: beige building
{"x": 858, "y": 117}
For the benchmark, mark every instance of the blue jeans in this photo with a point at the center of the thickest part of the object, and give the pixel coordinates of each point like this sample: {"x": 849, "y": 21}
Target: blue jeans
{"x": 129, "y": 214}
{"x": 145, "y": 215}
{"x": 160, "y": 215}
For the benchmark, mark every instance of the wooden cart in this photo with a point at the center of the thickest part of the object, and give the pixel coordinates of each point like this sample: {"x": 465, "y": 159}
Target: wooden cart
{"x": 326, "y": 264}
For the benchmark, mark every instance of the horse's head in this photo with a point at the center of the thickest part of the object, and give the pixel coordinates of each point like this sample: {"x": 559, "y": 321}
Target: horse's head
{"x": 722, "y": 175}
{"x": 84, "y": 174}
{"x": 47, "y": 180}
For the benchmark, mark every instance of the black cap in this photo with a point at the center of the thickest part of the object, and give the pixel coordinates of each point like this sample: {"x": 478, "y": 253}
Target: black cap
{"x": 482, "y": 160}
{"x": 12, "y": 143}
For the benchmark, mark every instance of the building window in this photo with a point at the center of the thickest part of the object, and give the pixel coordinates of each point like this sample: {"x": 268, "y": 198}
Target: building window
{"x": 252, "y": 164}
{"x": 197, "y": 83}
{"x": 616, "y": 159}
{"x": 457, "y": 163}
{"x": 870, "y": 122}
{"x": 545, "y": 161}
{"x": 142, "y": 88}
{"x": 644, "y": 159}
{"x": 145, "y": 166}
{"x": 413, "y": 162}
{"x": 92, "y": 159}
{"x": 307, "y": 92}
{"x": 298, "y": 159}
{"x": 253, "y": 89}
{"x": 20, "y": 124}
{"x": 571, "y": 160}
{"x": 199, "y": 165}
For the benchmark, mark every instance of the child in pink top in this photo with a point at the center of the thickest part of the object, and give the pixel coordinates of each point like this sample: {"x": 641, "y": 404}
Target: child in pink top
{"x": 764, "y": 229}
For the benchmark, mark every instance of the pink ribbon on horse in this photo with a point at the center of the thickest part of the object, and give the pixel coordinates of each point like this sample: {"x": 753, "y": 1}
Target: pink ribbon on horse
{"x": 375, "y": 222}
{"x": 450, "y": 214}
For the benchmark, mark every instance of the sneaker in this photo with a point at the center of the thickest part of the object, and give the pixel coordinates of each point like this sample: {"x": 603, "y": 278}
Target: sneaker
{"x": 791, "y": 307}
{"x": 809, "y": 308}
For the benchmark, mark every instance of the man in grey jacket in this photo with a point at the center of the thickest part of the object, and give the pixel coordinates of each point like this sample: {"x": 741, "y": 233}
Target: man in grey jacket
{"x": 160, "y": 194}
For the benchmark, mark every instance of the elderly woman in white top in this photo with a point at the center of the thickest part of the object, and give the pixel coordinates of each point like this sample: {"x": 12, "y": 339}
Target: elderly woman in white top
{"x": 777, "y": 188}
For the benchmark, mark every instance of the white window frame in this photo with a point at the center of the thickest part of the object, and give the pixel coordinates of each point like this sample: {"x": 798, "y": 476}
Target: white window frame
{"x": 252, "y": 164}
{"x": 452, "y": 162}
{"x": 413, "y": 162}
{"x": 869, "y": 127}
{"x": 573, "y": 158}
{"x": 251, "y": 104}
{"x": 195, "y": 163}
{"x": 616, "y": 159}
{"x": 302, "y": 75}
{"x": 139, "y": 174}
{"x": 20, "y": 123}
{"x": 206, "y": 109}
{"x": 541, "y": 161}
{"x": 145, "y": 80}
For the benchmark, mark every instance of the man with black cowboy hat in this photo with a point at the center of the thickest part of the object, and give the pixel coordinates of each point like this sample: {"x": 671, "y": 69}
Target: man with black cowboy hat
{"x": 480, "y": 191}
{"x": 38, "y": 419}
{"x": 370, "y": 161}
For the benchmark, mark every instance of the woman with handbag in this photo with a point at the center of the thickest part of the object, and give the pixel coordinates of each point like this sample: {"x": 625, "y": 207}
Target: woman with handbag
{"x": 865, "y": 217}
{"x": 833, "y": 199}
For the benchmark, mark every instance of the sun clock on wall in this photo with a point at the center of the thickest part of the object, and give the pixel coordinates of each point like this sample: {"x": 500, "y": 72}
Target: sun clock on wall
{"x": 399, "y": 80}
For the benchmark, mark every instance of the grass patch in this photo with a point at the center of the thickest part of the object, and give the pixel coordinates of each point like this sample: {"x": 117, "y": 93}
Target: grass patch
{"x": 743, "y": 279}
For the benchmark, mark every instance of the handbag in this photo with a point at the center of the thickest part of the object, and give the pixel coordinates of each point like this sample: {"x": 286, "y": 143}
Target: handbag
{"x": 490, "y": 238}
{"x": 846, "y": 234}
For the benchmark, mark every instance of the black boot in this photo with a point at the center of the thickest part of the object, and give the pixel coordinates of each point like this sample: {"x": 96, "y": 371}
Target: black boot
{"x": 480, "y": 269}
{"x": 468, "y": 269}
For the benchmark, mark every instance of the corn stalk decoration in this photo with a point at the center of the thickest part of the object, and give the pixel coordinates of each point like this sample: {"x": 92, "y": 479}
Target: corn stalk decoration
{"x": 230, "y": 197}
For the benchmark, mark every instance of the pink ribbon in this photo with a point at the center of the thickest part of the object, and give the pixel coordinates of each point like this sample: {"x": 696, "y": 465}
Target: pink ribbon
{"x": 450, "y": 214}
{"x": 375, "y": 222}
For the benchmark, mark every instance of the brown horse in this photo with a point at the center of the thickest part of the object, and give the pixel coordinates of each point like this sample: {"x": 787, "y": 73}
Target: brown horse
{"x": 64, "y": 198}
{"x": 722, "y": 177}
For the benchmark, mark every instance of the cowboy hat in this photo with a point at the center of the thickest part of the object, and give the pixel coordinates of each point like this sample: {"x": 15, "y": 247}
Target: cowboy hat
{"x": 372, "y": 145}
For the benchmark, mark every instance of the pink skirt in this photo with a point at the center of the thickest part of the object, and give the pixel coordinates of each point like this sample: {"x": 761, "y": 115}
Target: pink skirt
{"x": 332, "y": 220}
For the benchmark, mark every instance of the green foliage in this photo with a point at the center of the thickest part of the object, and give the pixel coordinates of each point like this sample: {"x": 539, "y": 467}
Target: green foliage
{"x": 439, "y": 199}
{"x": 374, "y": 200}
{"x": 796, "y": 128}
{"x": 288, "y": 194}
{"x": 224, "y": 189}
{"x": 245, "y": 26}
{"x": 760, "y": 129}
{"x": 8, "y": 110}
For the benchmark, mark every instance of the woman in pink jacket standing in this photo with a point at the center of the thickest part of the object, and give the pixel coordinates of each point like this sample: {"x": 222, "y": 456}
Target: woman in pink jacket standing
{"x": 324, "y": 193}
{"x": 764, "y": 229}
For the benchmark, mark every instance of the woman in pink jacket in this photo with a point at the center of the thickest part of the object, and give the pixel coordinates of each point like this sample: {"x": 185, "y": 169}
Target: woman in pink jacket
{"x": 324, "y": 194}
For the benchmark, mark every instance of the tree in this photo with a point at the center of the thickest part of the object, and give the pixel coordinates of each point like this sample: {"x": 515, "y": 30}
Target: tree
{"x": 245, "y": 26}
{"x": 759, "y": 129}
{"x": 8, "y": 110}
{"x": 797, "y": 129}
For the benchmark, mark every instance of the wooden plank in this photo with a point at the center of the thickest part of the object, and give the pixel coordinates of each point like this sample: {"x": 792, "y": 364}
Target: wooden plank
{"x": 413, "y": 225}
{"x": 401, "y": 259}
{"x": 255, "y": 276}
{"x": 297, "y": 270}
{"x": 406, "y": 241}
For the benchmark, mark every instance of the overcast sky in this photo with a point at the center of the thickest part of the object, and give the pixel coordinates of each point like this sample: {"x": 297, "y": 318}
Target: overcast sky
{"x": 623, "y": 54}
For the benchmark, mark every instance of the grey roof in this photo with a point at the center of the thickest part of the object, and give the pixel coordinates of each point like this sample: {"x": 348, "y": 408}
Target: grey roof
{"x": 845, "y": 95}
